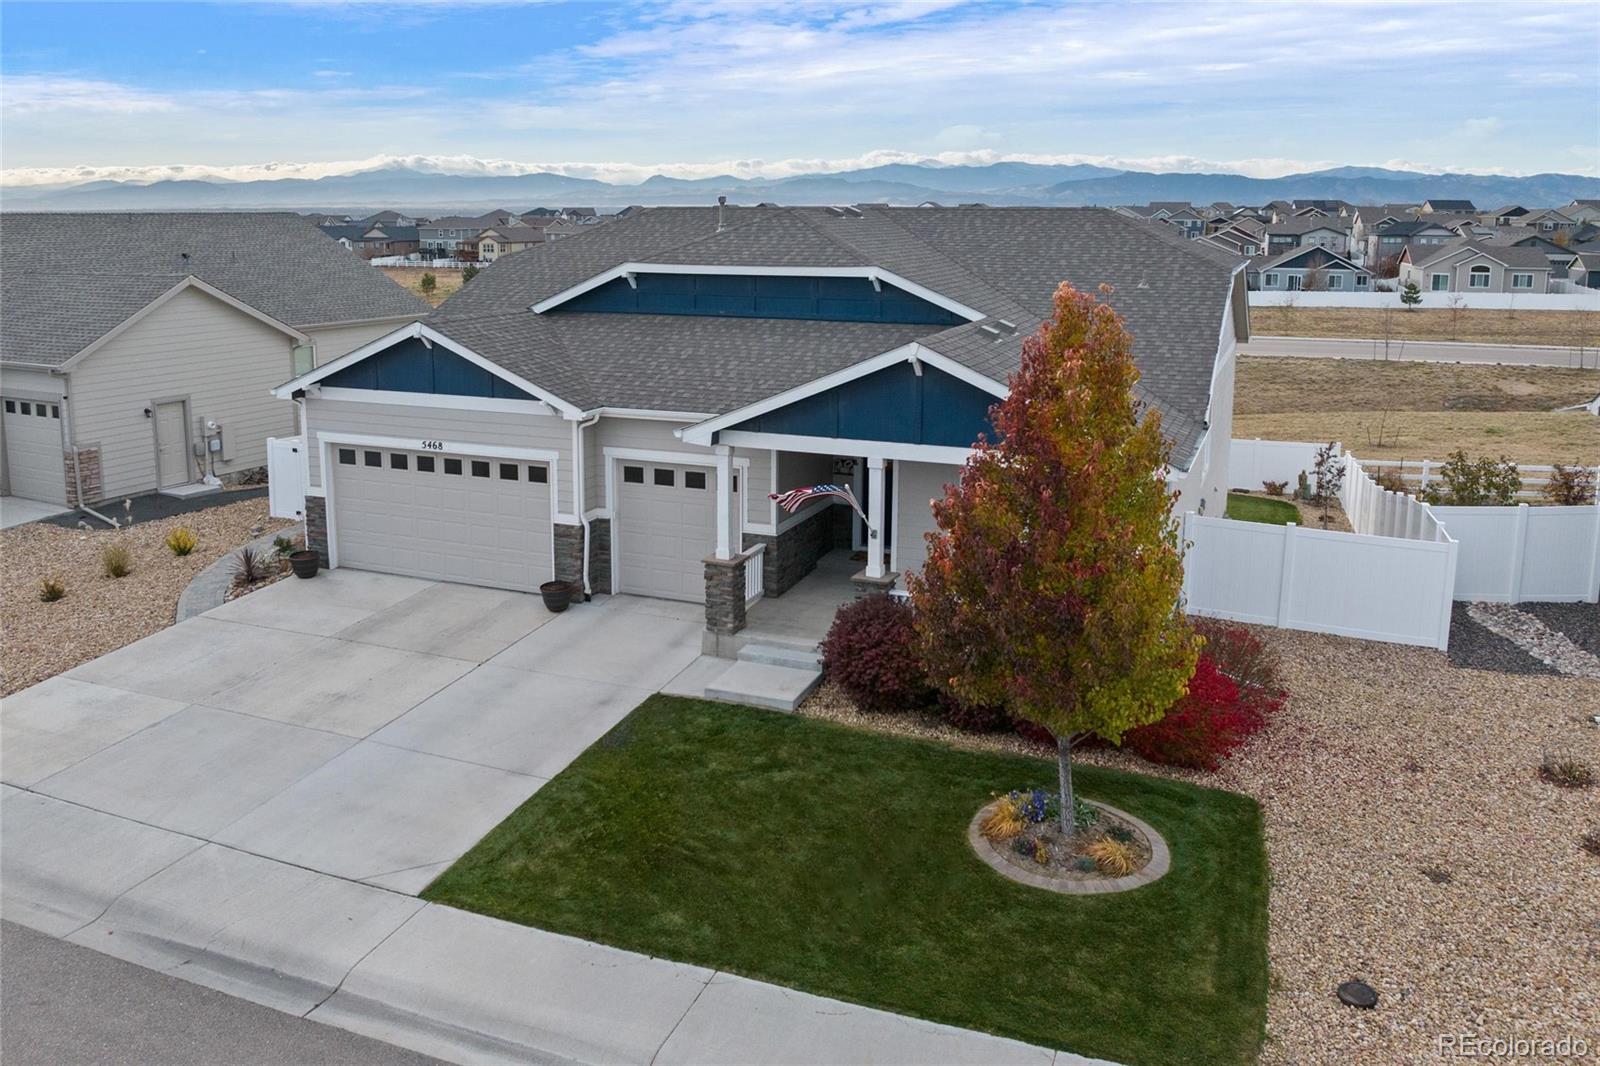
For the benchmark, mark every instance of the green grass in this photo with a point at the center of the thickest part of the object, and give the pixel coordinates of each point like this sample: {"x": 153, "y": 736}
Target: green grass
{"x": 1261, "y": 509}
{"x": 835, "y": 861}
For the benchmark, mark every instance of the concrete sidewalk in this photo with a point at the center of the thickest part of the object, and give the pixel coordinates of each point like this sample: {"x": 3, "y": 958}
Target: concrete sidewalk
{"x": 251, "y": 799}
{"x": 1421, "y": 351}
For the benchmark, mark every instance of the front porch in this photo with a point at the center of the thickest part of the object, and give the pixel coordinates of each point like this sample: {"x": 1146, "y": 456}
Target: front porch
{"x": 801, "y": 617}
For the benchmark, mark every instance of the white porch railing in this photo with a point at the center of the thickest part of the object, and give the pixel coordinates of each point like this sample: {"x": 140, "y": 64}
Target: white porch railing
{"x": 754, "y": 573}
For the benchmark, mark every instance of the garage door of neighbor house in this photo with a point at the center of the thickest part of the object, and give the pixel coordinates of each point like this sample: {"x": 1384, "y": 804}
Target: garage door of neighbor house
{"x": 470, "y": 519}
{"x": 35, "y": 469}
{"x": 666, "y": 526}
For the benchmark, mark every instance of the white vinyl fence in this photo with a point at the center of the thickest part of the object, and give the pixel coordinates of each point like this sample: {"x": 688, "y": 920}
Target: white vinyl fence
{"x": 1418, "y": 474}
{"x": 1517, "y": 554}
{"x": 1384, "y": 512}
{"x": 1253, "y": 462}
{"x": 1353, "y": 585}
{"x": 286, "y": 477}
{"x": 1577, "y": 300}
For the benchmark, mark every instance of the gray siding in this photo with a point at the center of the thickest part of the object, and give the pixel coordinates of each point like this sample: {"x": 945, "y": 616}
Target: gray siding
{"x": 917, "y": 485}
{"x": 655, "y": 435}
{"x": 31, "y": 383}
{"x": 223, "y": 360}
{"x": 334, "y": 341}
{"x": 495, "y": 428}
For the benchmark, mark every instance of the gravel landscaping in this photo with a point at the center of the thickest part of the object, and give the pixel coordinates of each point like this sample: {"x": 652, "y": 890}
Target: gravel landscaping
{"x": 1412, "y": 844}
{"x": 100, "y": 614}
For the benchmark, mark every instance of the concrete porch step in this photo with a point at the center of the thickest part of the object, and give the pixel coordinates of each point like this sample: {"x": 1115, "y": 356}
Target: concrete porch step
{"x": 778, "y": 688}
{"x": 797, "y": 656}
{"x": 186, "y": 492}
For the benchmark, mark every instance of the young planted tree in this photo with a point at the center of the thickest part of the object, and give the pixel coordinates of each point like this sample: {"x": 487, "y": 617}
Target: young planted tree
{"x": 1053, "y": 591}
{"x": 1410, "y": 295}
{"x": 428, "y": 284}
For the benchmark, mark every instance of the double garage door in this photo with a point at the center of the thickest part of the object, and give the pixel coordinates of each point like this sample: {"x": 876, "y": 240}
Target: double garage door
{"x": 477, "y": 520}
{"x": 666, "y": 526}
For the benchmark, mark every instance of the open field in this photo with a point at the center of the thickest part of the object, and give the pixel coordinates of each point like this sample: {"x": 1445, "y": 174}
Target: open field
{"x": 1430, "y": 323}
{"x": 411, "y": 278}
{"x": 1419, "y": 410}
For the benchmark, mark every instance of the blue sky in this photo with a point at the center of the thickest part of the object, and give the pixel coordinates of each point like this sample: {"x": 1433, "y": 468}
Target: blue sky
{"x": 693, "y": 88}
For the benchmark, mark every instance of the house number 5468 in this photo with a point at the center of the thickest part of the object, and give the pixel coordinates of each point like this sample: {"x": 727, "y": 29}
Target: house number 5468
{"x": 433, "y": 445}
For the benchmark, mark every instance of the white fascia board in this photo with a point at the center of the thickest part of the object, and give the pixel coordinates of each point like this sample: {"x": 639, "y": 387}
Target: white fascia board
{"x": 436, "y": 401}
{"x": 906, "y": 353}
{"x": 919, "y": 453}
{"x": 871, "y": 273}
{"x": 649, "y": 414}
{"x": 188, "y": 282}
{"x": 424, "y": 332}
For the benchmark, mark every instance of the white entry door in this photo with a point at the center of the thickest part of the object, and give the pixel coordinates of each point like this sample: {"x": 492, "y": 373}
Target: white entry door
{"x": 173, "y": 464}
{"x": 666, "y": 526}
{"x": 471, "y": 519}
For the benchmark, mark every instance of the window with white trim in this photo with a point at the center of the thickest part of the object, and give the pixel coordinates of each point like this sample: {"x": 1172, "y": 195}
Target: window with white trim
{"x": 1478, "y": 277}
{"x": 1271, "y": 279}
{"x": 1335, "y": 281}
{"x": 1439, "y": 282}
{"x": 1522, "y": 281}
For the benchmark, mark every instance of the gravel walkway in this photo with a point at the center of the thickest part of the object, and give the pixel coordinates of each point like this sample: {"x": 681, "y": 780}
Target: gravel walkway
{"x": 1579, "y": 621}
{"x": 101, "y": 614}
{"x": 1412, "y": 844}
{"x": 210, "y": 586}
{"x": 1474, "y": 647}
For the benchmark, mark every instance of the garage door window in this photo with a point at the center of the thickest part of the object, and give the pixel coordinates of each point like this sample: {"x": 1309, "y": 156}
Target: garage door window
{"x": 633, "y": 475}
{"x": 665, "y": 477}
{"x": 27, "y": 408}
{"x": 11, "y": 407}
{"x": 452, "y": 466}
{"x": 399, "y": 460}
{"x": 347, "y": 457}
{"x": 694, "y": 479}
{"x": 508, "y": 472}
{"x": 424, "y": 464}
{"x": 538, "y": 475}
{"x": 372, "y": 458}
{"x": 480, "y": 468}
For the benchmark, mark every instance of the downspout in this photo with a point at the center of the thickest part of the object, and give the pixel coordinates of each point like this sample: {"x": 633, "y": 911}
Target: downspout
{"x": 577, "y": 494}
{"x": 72, "y": 439}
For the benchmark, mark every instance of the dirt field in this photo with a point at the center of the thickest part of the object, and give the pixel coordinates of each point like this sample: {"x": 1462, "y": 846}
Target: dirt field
{"x": 411, "y": 278}
{"x": 1419, "y": 410}
{"x": 1434, "y": 324}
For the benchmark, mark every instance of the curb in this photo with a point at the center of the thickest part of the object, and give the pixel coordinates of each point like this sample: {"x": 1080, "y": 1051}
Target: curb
{"x": 1160, "y": 859}
{"x": 209, "y": 588}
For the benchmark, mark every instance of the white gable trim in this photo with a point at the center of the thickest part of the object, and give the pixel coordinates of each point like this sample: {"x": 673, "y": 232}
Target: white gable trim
{"x": 876, "y": 275}
{"x": 423, "y": 332}
{"x": 189, "y": 282}
{"x": 906, "y": 353}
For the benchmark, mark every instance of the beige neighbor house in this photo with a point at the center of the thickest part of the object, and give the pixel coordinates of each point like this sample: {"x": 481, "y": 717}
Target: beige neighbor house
{"x": 498, "y": 241}
{"x": 1476, "y": 266}
{"x": 138, "y": 351}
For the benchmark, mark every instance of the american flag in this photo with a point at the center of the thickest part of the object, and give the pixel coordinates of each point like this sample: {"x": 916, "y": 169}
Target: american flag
{"x": 794, "y": 499}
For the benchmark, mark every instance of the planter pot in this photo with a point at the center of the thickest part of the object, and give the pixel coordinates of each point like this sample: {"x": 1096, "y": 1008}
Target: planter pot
{"x": 556, "y": 594}
{"x": 304, "y": 563}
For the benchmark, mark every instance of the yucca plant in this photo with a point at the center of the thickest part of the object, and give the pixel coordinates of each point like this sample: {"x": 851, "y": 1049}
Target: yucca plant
{"x": 182, "y": 541}
{"x": 248, "y": 567}
{"x": 115, "y": 560}
{"x": 51, "y": 589}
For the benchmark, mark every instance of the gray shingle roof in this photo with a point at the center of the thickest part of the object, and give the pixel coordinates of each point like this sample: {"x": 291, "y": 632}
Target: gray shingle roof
{"x": 49, "y": 318}
{"x": 1519, "y": 256}
{"x": 1005, "y": 263}
{"x": 277, "y": 262}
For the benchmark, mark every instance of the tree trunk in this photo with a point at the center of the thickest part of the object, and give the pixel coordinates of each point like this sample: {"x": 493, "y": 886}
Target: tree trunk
{"x": 1064, "y": 769}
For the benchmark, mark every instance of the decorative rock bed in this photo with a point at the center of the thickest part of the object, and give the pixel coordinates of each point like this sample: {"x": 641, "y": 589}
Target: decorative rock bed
{"x": 1062, "y": 873}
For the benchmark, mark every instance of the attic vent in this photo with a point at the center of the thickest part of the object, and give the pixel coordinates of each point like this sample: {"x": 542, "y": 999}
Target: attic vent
{"x": 993, "y": 332}
{"x": 854, "y": 212}
{"x": 1007, "y": 327}
{"x": 836, "y": 212}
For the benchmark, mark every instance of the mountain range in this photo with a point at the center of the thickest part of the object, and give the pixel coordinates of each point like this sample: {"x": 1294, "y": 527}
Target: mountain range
{"x": 426, "y": 191}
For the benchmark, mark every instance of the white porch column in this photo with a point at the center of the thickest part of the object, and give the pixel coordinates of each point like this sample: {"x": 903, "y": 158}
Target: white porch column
{"x": 724, "y": 456}
{"x": 874, "y": 516}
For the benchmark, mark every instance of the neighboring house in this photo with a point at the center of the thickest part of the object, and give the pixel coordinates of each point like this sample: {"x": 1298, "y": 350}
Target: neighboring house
{"x": 503, "y": 240}
{"x": 1308, "y": 269}
{"x": 1522, "y": 237}
{"x": 1187, "y": 220}
{"x": 370, "y": 241}
{"x": 1548, "y": 221}
{"x": 1476, "y": 266}
{"x": 452, "y": 234}
{"x": 1157, "y": 211}
{"x": 139, "y": 350}
{"x": 1508, "y": 215}
{"x": 1236, "y": 240}
{"x": 1389, "y": 241}
{"x": 1583, "y": 211}
{"x": 389, "y": 218}
{"x": 1584, "y": 269}
{"x": 1448, "y": 207}
{"x": 1308, "y": 231}
{"x": 616, "y": 407}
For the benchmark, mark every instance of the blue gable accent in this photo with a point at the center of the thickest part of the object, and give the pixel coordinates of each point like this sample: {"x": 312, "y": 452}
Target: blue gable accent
{"x": 741, "y": 296}
{"x": 411, "y": 366}
{"x": 894, "y": 404}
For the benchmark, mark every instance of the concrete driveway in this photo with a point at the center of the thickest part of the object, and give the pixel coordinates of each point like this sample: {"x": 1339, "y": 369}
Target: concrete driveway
{"x": 363, "y": 725}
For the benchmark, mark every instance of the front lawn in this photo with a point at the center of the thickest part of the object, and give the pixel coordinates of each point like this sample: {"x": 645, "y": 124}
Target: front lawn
{"x": 835, "y": 861}
{"x": 1243, "y": 508}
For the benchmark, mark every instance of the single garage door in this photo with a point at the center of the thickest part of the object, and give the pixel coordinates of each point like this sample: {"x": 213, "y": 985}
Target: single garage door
{"x": 666, "y": 526}
{"x": 34, "y": 465}
{"x": 470, "y": 519}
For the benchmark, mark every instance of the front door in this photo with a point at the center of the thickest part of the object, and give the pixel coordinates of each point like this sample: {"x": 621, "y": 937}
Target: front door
{"x": 172, "y": 444}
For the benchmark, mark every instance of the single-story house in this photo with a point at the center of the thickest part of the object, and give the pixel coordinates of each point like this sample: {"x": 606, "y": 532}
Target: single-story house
{"x": 1309, "y": 269}
{"x": 1582, "y": 210}
{"x": 138, "y": 350}
{"x": 1476, "y": 266}
{"x": 616, "y": 408}
{"x": 369, "y": 240}
{"x": 1584, "y": 269}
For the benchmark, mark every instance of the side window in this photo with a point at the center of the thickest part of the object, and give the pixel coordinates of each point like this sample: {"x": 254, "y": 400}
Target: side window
{"x": 633, "y": 475}
{"x": 347, "y": 457}
{"x": 665, "y": 476}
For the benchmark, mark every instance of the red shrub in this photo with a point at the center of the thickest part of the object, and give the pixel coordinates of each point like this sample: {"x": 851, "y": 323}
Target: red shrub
{"x": 972, "y": 717}
{"x": 871, "y": 651}
{"x": 1219, "y": 712}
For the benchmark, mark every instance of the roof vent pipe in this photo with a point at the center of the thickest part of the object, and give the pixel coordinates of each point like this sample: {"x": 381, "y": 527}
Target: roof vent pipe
{"x": 722, "y": 202}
